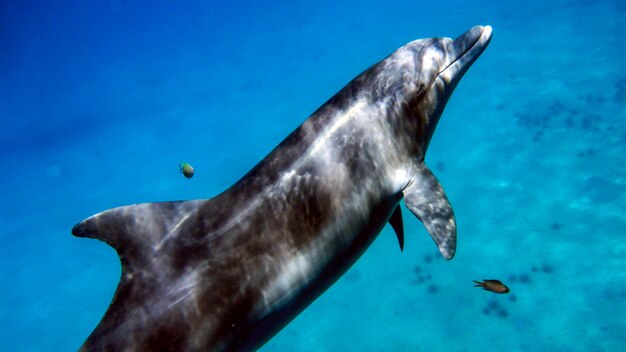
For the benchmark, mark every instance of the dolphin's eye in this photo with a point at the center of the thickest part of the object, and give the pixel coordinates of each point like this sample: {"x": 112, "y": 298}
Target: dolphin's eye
{"x": 420, "y": 88}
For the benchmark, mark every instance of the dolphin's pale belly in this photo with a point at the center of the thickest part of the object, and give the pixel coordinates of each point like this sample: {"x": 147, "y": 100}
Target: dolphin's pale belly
{"x": 227, "y": 273}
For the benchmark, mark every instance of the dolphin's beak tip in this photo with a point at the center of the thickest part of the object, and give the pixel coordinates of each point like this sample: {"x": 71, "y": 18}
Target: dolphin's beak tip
{"x": 487, "y": 30}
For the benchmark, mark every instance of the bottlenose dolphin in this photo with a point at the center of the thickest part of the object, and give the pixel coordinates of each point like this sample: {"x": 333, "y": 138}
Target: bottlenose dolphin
{"x": 228, "y": 273}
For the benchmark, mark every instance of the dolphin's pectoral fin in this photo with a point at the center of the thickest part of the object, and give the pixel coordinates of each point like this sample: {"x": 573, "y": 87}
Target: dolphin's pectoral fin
{"x": 426, "y": 199}
{"x": 137, "y": 229}
{"x": 396, "y": 223}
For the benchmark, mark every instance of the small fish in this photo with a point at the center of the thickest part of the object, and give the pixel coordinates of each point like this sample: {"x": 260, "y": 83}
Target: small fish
{"x": 495, "y": 286}
{"x": 186, "y": 169}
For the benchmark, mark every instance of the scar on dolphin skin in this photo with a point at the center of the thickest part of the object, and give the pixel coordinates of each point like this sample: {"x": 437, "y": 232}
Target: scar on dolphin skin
{"x": 228, "y": 273}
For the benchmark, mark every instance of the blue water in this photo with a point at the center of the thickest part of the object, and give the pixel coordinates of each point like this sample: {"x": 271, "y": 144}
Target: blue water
{"x": 99, "y": 104}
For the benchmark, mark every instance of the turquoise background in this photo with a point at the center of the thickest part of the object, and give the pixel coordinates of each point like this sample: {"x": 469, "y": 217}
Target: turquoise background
{"x": 100, "y": 102}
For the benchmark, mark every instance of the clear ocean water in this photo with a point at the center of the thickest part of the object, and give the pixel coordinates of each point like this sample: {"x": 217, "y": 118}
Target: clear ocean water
{"x": 100, "y": 101}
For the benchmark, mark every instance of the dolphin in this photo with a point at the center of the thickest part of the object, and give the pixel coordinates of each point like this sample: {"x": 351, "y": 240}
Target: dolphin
{"x": 227, "y": 273}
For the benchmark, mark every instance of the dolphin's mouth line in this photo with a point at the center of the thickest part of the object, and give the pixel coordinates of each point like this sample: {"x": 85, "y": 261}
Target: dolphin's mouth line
{"x": 467, "y": 50}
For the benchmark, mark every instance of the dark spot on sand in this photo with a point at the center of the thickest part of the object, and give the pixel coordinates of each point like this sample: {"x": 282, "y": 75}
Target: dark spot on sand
{"x": 417, "y": 269}
{"x": 587, "y": 122}
{"x": 502, "y": 313}
{"x": 556, "y": 226}
{"x": 547, "y": 269}
{"x": 533, "y": 269}
{"x": 556, "y": 107}
{"x": 512, "y": 298}
{"x": 493, "y": 304}
{"x": 524, "y": 278}
{"x": 440, "y": 166}
{"x": 600, "y": 189}
{"x": 589, "y": 98}
{"x": 432, "y": 289}
{"x": 512, "y": 278}
{"x": 485, "y": 311}
{"x": 620, "y": 90}
{"x": 531, "y": 121}
{"x": 428, "y": 258}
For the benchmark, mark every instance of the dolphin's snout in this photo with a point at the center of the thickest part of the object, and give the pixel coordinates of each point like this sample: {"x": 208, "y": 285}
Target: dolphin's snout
{"x": 463, "y": 51}
{"x": 466, "y": 40}
{"x": 472, "y": 42}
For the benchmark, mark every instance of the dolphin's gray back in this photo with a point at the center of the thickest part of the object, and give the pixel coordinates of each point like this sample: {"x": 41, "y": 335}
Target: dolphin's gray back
{"x": 208, "y": 273}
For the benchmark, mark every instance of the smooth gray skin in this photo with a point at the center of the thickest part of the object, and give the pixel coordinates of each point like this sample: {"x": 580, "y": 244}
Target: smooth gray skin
{"x": 228, "y": 273}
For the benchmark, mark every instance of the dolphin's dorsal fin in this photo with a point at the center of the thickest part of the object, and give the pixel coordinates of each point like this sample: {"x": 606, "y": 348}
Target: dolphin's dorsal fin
{"x": 143, "y": 236}
{"x": 396, "y": 223}
{"x": 427, "y": 200}
{"x": 137, "y": 229}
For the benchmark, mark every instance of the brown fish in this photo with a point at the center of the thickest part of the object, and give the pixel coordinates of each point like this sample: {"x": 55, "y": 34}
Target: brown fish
{"x": 495, "y": 286}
